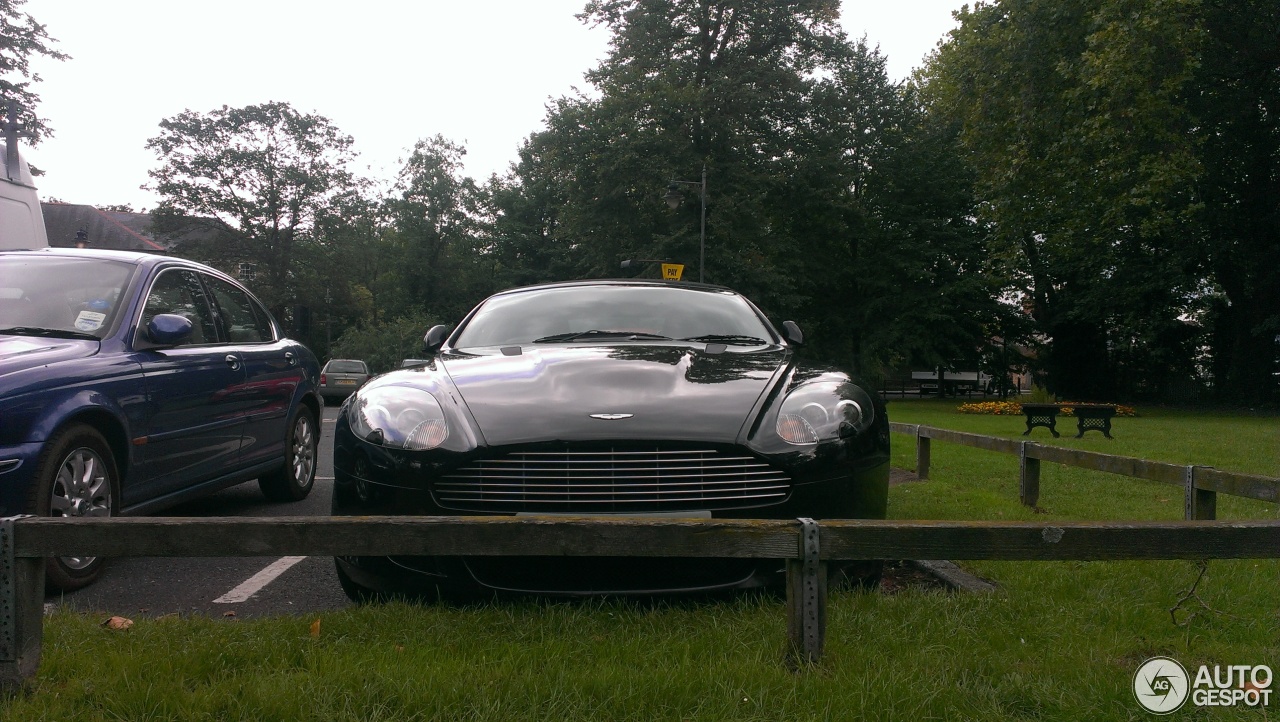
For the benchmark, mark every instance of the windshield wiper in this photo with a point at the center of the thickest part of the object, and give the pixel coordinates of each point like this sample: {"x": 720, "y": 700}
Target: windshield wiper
{"x": 727, "y": 338}
{"x": 596, "y": 333}
{"x": 47, "y": 333}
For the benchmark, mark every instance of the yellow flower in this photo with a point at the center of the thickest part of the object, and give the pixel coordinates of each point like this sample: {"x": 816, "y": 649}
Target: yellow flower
{"x": 1013, "y": 408}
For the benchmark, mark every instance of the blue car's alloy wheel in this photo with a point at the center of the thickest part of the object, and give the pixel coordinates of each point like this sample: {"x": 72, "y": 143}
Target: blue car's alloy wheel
{"x": 76, "y": 478}
{"x": 293, "y": 481}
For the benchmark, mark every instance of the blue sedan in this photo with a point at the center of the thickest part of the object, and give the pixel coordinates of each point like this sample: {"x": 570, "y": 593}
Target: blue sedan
{"x": 131, "y": 382}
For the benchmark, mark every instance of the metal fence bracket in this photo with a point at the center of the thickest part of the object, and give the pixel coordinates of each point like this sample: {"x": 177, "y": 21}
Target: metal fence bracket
{"x": 807, "y": 596}
{"x": 8, "y": 592}
{"x": 21, "y": 598}
{"x": 1199, "y": 504}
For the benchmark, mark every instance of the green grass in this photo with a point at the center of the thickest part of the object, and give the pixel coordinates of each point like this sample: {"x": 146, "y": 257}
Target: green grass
{"x": 967, "y": 483}
{"x": 1058, "y": 641}
{"x": 1244, "y": 443}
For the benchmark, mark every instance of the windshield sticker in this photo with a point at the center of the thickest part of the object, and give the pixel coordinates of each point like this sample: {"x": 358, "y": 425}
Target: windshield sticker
{"x": 90, "y": 321}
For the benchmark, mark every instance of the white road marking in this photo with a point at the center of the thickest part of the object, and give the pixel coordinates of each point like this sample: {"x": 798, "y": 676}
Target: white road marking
{"x": 325, "y": 478}
{"x": 255, "y": 583}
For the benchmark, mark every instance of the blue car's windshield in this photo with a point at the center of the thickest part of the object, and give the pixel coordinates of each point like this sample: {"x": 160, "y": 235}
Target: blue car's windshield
{"x": 60, "y": 295}
{"x": 609, "y": 313}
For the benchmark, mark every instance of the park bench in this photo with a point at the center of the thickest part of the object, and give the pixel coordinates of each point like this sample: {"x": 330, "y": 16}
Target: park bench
{"x": 1093, "y": 417}
{"x": 1045, "y": 415}
{"x": 1089, "y": 417}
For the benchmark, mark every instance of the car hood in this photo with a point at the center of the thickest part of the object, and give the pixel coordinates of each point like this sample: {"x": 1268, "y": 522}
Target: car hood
{"x": 19, "y": 353}
{"x": 652, "y": 391}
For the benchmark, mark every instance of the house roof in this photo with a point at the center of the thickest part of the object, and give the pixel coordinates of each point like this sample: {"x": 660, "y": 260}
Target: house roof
{"x": 114, "y": 230}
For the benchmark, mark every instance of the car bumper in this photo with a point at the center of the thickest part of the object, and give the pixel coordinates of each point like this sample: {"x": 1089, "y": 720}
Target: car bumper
{"x": 17, "y": 467}
{"x": 861, "y": 493}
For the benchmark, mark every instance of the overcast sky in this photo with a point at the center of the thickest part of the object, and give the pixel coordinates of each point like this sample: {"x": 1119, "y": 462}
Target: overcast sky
{"x": 386, "y": 72}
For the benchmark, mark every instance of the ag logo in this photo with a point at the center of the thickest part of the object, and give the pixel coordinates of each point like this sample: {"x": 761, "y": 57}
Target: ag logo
{"x": 1161, "y": 685}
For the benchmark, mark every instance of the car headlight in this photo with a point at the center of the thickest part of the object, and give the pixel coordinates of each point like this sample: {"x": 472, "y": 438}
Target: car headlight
{"x": 398, "y": 417}
{"x": 823, "y": 411}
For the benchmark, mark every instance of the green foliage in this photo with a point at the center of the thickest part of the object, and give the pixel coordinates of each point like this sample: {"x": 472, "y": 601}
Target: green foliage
{"x": 383, "y": 345}
{"x": 435, "y": 223}
{"x": 1087, "y": 186}
{"x": 347, "y": 256}
{"x": 1041, "y": 395}
{"x": 22, "y": 38}
{"x": 1126, "y": 174}
{"x": 829, "y": 200}
{"x": 258, "y": 179}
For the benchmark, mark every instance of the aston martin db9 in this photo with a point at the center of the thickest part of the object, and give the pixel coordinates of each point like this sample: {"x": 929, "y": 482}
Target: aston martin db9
{"x": 605, "y": 398}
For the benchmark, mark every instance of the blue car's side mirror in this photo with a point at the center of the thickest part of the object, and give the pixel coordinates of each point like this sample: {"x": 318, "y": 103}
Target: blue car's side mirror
{"x": 168, "y": 329}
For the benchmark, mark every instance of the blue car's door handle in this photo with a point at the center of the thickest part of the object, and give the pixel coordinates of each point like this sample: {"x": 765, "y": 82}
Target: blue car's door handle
{"x": 233, "y": 361}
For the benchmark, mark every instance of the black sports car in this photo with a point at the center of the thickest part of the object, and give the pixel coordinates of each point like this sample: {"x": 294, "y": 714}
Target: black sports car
{"x": 605, "y": 398}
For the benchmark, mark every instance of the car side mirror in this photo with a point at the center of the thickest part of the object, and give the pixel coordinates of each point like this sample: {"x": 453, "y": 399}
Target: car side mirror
{"x": 168, "y": 329}
{"x": 434, "y": 339}
{"x": 792, "y": 333}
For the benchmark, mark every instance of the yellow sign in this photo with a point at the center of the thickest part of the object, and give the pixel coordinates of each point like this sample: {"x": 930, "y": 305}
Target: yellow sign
{"x": 672, "y": 271}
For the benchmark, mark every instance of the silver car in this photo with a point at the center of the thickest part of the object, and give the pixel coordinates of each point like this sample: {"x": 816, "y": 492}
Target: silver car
{"x": 341, "y": 376}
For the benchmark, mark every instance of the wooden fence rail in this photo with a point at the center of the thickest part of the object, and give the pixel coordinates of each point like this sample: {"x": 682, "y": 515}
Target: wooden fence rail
{"x": 1201, "y": 484}
{"x": 805, "y": 545}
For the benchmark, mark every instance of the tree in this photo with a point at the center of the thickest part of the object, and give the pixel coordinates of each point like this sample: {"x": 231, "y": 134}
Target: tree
{"x": 1232, "y": 112}
{"x": 435, "y": 216}
{"x": 384, "y": 344}
{"x": 1014, "y": 80}
{"x": 523, "y": 216}
{"x": 347, "y": 255}
{"x": 1128, "y": 163}
{"x": 258, "y": 177}
{"x": 801, "y": 134}
{"x": 894, "y": 267}
{"x": 21, "y": 38}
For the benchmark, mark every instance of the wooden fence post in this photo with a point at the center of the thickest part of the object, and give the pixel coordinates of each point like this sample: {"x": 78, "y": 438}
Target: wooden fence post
{"x": 1028, "y": 477}
{"x": 806, "y": 598}
{"x": 922, "y": 455}
{"x": 1201, "y": 504}
{"x": 21, "y": 611}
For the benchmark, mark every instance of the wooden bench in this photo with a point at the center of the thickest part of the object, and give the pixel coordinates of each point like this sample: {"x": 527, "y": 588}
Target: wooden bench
{"x": 1089, "y": 417}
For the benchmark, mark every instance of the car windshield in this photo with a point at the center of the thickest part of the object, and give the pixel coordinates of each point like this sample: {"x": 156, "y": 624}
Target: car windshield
{"x": 577, "y": 314}
{"x": 346, "y": 367}
{"x": 60, "y": 295}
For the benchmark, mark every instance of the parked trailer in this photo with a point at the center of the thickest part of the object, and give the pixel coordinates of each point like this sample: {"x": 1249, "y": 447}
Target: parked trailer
{"x": 950, "y": 383}
{"x": 21, "y": 220}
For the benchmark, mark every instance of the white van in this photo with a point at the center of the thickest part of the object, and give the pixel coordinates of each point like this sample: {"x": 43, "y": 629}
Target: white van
{"x": 21, "y": 222}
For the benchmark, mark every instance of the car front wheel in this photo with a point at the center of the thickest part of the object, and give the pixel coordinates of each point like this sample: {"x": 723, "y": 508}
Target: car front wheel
{"x": 295, "y": 477}
{"x": 75, "y": 477}
{"x": 356, "y": 591}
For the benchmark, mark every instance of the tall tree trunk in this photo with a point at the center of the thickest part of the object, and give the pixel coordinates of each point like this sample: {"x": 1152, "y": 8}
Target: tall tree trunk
{"x": 1077, "y": 362}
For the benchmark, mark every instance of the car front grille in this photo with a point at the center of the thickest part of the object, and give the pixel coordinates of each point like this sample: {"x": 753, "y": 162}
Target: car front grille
{"x": 613, "y": 480}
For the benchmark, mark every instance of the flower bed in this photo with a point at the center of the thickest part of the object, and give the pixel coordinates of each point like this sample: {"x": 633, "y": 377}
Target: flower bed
{"x": 1013, "y": 408}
